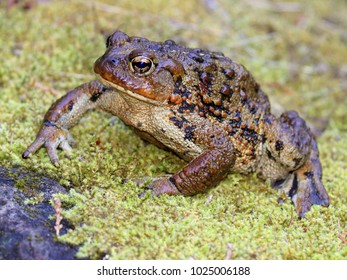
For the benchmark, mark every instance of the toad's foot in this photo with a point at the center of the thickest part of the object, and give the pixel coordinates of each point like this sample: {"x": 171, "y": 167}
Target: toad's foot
{"x": 52, "y": 138}
{"x": 305, "y": 188}
{"x": 161, "y": 185}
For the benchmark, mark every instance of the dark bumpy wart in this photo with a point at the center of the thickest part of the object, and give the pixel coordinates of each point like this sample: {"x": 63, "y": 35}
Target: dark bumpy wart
{"x": 199, "y": 104}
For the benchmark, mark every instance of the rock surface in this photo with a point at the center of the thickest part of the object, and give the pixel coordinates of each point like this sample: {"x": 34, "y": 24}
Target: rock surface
{"x": 26, "y": 231}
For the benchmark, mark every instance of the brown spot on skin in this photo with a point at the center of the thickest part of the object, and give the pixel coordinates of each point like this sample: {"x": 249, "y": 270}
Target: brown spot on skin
{"x": 243, "y": 97}
{"x": 176, "y": 99}
{"x": 206, "y": 99}
{"x": 203, "y": 89}
{"x": 225, "y": 90}
{"x": 205, "y": 78}
{"x": 217, "y": 102}
{"x": 189, "y": 101}
{"x": 229, "y": 73}
{"x": 217, "y": 113}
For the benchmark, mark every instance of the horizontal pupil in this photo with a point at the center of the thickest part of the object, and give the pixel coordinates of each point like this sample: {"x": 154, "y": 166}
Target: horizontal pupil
{"x": 142, "y": 64}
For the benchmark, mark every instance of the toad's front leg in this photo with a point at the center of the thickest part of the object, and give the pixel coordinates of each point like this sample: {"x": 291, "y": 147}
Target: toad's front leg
{"x": 61, "y": 116}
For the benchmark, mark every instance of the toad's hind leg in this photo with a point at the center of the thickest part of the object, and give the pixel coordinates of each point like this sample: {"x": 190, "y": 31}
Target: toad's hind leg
{"x": 199, "y": 175}
{"x": 304, "y": 184}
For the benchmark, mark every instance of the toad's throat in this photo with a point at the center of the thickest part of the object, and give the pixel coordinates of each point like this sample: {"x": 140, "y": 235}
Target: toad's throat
{"x": 128, "y": 92}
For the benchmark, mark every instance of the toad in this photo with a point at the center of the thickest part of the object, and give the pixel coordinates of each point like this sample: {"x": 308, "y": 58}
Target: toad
{"x": 201, "y": 105}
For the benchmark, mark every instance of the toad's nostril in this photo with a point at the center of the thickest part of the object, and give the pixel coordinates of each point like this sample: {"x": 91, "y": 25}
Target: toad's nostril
{"x": 114, "y": 61}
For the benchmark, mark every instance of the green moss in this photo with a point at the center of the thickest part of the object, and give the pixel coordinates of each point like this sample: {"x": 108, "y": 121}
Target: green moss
{"x": 20, "y": 184}
{"x": 298, "y": 56}
{"x": 35, "y": 200}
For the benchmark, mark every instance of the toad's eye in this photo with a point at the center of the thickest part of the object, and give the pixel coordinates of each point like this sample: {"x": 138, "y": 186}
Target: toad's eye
{"x": 142, "y": 65}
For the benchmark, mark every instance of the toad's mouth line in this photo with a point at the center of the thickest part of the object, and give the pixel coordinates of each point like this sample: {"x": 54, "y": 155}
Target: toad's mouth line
{"x": 128, "y": 92}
